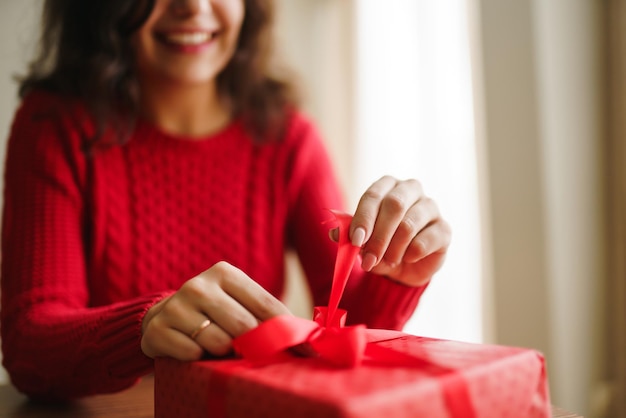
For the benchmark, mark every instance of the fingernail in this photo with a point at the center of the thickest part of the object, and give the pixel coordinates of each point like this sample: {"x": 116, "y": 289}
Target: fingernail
{"x": 369, "y": 261}
{"x": 358, "y": 237}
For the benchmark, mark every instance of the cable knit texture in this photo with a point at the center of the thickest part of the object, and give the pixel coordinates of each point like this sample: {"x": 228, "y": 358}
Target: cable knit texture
{"x": 93, "y": 237}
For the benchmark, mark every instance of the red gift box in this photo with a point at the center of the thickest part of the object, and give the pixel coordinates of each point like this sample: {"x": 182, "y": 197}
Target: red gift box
{"x": 354, "y": 372}
{"x": 460, "y": 380}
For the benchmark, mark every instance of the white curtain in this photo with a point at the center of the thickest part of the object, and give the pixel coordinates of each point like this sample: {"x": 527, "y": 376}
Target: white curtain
{"x": 414, "y": 118}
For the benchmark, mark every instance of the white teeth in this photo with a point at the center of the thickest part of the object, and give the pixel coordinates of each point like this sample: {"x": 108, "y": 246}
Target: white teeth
{"x": 188, "y": 38}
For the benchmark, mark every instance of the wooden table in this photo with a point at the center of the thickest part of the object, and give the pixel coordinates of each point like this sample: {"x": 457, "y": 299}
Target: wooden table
{"x": 137, "y": 402}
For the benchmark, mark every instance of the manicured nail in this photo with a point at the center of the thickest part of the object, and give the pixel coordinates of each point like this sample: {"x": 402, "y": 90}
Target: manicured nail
{"x": 358, "y": 237}
{"x": 369, "y": 261}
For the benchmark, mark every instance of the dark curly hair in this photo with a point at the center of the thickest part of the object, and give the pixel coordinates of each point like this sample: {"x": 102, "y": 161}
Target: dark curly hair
{"x": 85, "y": 52}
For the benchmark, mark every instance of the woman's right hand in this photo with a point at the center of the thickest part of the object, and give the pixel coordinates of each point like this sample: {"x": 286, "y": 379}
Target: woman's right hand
{"x": 223, "y": 295}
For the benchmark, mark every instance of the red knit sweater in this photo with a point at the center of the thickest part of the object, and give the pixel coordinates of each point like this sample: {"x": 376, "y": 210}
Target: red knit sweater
{"x": 91, "y": 240}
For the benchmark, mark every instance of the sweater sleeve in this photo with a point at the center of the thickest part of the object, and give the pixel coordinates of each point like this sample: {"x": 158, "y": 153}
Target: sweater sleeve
{"x": 55, "y": 345}
{"x": 369, "y": 299}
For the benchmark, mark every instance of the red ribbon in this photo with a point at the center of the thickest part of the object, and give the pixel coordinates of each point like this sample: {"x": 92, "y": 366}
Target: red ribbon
{"x": 346, "y": 256}
{"x": 326, "y": 334}
{"x": 344, "y": 346}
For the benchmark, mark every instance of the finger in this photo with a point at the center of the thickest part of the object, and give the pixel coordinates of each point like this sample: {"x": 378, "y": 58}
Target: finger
{"x": 251, "y": 295}
{"x": 161, "y": 340}
{"x": 333, "y": 234}
{"x": 367, "y": 210}
{"x": 393, "y": 209}
{"x": 202, "y": 297}
{"x": 434, "y": 238}
{"x": 178, "y": 320}
{"x": 228, "y": 313}
{"x": 179, "y": 313}
{"x": 215, "y": 340}
{"x": 153, "y": 311}
{"x": 420, "y": 215}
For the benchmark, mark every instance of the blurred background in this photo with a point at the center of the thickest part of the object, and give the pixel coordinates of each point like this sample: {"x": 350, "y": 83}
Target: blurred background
{"x": 510, "y": 114}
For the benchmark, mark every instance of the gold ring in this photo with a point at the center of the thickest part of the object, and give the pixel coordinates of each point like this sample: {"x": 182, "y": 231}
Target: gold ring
{"x": 201, "y": 328}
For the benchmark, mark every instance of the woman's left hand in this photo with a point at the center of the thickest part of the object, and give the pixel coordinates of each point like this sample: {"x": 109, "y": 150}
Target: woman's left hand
{"x": 400, "y": 231}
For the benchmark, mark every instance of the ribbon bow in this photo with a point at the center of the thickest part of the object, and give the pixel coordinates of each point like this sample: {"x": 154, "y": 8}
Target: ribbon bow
{"x": 326, "y": 334}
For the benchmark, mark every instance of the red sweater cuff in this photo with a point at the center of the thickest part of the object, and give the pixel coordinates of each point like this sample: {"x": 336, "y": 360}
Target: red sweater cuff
{"x": 125, "y": 359}
{"x": 383, "y": 303}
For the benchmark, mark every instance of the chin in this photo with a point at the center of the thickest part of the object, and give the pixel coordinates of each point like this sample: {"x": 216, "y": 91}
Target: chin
{"x": 193, "y": 78}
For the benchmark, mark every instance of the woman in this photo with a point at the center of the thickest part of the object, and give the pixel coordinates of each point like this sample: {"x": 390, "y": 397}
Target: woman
{"x": 156, "y": 172}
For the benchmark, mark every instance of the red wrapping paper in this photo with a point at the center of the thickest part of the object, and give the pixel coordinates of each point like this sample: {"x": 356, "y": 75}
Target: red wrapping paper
{"x": 353, "y": 372}
{"x": 500, "y": 382}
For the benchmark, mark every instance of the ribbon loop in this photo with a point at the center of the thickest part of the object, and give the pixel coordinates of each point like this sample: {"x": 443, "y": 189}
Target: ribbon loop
{"x": 274, "y": 336}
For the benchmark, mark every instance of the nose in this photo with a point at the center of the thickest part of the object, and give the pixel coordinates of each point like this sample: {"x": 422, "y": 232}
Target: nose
{"x": 185, "y": 8}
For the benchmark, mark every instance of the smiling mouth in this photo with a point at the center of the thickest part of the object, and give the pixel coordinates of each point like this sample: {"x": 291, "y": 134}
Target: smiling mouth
{"x": 187, "y": 38}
